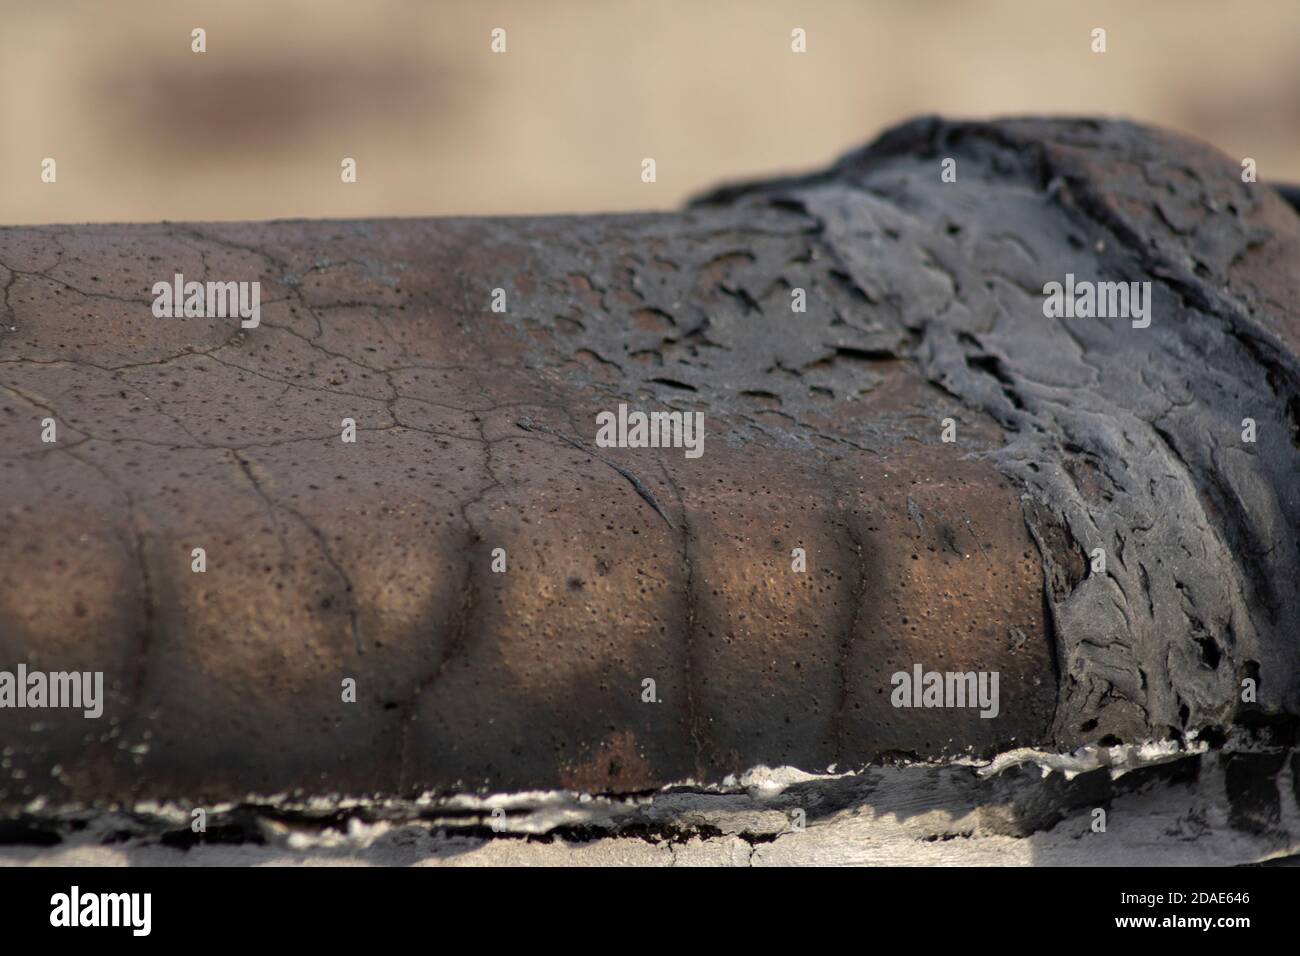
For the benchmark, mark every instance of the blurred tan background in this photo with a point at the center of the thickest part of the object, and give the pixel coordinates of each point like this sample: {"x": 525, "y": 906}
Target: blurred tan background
{"x": 255, "y": 128}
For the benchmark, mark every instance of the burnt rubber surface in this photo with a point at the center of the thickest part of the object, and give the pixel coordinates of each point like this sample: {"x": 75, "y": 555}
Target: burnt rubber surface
{"x": 372, "y": 560}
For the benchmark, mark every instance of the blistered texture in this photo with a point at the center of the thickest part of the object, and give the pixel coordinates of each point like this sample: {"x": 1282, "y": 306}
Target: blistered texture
{"x": 1127, "y": 439}
{"x": 475, "y": 431}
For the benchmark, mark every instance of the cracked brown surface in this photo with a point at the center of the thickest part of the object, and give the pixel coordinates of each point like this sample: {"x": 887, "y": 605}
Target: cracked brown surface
{"x": 475, "y": 431}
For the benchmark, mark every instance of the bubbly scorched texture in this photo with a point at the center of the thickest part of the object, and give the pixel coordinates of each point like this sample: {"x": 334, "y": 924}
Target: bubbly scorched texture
{"x": 372, "y": 561}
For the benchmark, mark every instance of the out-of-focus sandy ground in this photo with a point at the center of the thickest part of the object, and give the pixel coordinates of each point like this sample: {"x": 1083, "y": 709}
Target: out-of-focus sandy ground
{"x": 144, "y": 129}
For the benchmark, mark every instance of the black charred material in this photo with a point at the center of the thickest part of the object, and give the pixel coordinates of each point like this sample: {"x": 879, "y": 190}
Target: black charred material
{"x": 372, "y": 561}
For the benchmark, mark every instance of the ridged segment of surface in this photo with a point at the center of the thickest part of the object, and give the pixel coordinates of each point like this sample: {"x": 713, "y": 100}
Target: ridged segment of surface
{"x": 372, "y": 560}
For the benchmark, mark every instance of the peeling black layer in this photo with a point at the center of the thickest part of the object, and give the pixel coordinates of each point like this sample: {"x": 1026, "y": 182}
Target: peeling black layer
{"x": 823, "y": 432}
{"x": 1126, "y": 439}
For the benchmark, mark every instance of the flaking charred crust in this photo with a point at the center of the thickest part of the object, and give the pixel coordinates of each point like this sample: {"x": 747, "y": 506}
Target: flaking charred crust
{"x": 372, "y": 560}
